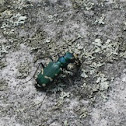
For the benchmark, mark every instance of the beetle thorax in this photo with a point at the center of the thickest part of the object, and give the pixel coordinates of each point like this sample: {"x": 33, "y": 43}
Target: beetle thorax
{"x": 65, "y": 60}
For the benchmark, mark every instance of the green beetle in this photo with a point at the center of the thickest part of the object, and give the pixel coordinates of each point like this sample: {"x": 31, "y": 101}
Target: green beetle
{"x": 53, "y": 69}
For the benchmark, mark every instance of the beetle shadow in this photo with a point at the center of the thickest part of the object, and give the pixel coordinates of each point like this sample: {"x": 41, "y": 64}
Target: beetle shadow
{"x": 61, "y": 83}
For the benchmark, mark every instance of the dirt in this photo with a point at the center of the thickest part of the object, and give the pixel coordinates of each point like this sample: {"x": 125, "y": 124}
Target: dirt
{"x": 32, "y": 31}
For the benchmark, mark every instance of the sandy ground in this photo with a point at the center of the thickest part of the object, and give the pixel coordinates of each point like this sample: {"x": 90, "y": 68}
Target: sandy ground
{"x": 31, "y": 31}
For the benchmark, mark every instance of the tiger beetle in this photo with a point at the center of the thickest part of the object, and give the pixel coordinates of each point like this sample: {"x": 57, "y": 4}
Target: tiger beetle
{"x": 53, "y": 69}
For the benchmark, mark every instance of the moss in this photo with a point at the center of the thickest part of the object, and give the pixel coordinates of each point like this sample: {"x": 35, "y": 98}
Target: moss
{"x": 23, "y": 70}
{"x": 2, "y": 64}
{"x": 83, "y": 4}
{"x": 14, "y": 20}
{"x": 3, "y": 85}
{"x": 81, "y": 111}
{"x": 2, "y": 2}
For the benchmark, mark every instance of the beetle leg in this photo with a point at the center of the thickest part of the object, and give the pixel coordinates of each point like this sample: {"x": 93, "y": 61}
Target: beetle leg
{"x": 38, "y": 68}
{"x": 77, "y": 63}
{"x": 35, "y": 72}
{"x": 50, "y": 58}
{"x": 67, "y": 79}
{"x": 70, "y": 81}
{"x": 41, "y": 65}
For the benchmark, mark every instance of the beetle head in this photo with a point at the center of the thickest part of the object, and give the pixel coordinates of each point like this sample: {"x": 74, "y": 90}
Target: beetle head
{"x": 69, "y": 57}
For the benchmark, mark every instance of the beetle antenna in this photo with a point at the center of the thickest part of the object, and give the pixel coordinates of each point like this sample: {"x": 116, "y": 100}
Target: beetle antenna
{"x": 40, "y": 103}
{"x": 31, "y": 77}
{"x": 35, "y": 72}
